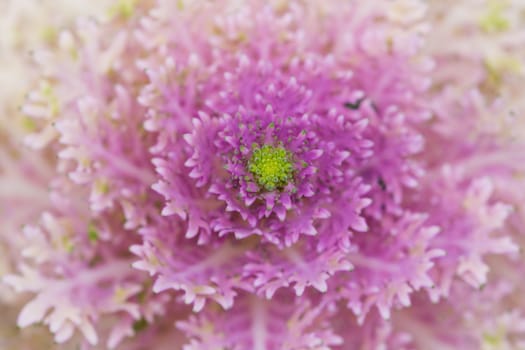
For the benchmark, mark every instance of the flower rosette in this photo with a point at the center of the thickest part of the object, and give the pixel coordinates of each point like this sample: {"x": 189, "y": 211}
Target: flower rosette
{"x": 272, "y": 162}
{"x": 273, "y": 165}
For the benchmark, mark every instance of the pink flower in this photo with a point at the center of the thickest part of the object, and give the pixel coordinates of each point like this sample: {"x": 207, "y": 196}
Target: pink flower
{"x": 263, "y": 175}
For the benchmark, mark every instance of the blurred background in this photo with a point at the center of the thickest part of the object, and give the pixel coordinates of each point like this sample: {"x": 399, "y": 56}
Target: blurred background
{"x": 25, "y": 27}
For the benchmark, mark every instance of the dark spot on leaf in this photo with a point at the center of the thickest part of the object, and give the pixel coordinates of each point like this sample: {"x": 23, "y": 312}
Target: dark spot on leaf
{"x": 354, "y": 105}
{"x": 381, "y": 183}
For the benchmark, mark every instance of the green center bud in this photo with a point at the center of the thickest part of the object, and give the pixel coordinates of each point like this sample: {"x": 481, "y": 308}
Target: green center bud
{"x": 271, "y": 166}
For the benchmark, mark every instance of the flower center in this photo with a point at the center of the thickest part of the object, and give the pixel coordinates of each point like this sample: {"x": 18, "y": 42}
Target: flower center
{"x": 271, "y": 166}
